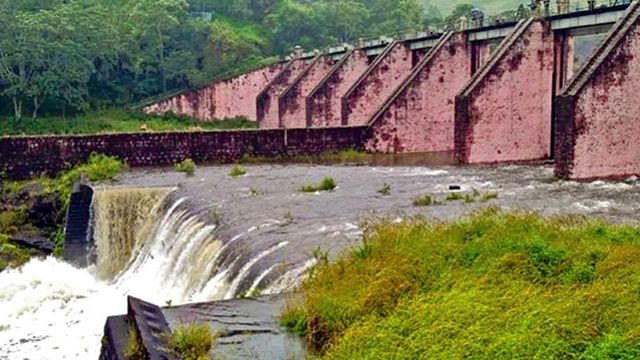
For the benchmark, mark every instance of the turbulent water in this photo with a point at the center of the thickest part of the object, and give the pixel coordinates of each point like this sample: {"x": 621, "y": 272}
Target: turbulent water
{"x": 167, "y": 238}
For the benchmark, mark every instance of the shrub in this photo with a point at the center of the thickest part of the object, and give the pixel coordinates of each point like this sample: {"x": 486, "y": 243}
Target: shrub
{"x": 191, "y": 342}
{"x": 455, "y": 196}
{"x": 237, "y": 171}
{"x": 186, "y": 166}
{"x": 327, "y": 184}
{"x": 425, "y": 200}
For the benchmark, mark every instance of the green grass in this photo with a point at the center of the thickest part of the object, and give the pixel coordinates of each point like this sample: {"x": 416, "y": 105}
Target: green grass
{"x": 113, "y": 121}
{"x": 425, "y": 200}
{"x": 186, "y": 166}
{"x": 492, "y": 286}
{"x": 237, "y": 171}
{"x": 192, "y": 341}
{"x": 327, "y": 184}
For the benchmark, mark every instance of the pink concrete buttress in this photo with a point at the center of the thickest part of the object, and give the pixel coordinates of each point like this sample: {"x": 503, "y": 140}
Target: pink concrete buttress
{"x": 234, "y": 97}
{"x": 504, "y": 112}
{"x": 375, "y": 86}
{"x": 324, "y": 104}
{"x": 268, "y": 114}
{"x": 292, "y": 103}
{"x": 420, "y": 117}
{"x": 598, "y": 116}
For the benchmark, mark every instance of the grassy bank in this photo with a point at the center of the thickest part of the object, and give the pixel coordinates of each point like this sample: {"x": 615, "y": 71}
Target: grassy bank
{"x": 492, "y": 286}
{"x": 113, "y": 121}
{"x": 39, "y": 206}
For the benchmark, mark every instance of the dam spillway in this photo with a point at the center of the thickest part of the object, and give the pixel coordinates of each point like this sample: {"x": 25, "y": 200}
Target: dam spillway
{"x": 259, "y": 244}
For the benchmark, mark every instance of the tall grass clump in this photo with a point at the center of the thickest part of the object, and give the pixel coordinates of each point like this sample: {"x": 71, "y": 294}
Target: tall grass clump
{"x": 237, "y": 171}
{"x": 494, "y": 285}
{"x": 186, "y": 166}
{"x": 191, "y": 341}
{"x": 327, "y": 184}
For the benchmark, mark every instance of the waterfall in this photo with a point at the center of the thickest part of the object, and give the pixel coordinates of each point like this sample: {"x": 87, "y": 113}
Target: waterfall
{"x": 150, "y": 244}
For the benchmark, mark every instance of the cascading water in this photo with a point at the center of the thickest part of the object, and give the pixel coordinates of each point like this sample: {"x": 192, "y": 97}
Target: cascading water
{"x": 149, "y": 245}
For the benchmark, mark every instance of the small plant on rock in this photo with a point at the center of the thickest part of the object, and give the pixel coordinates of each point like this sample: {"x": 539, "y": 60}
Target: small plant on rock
{"x": 489, "y": 196}
{"x": 192, "y": 341}
{"x": 385, "y": 189}
{"x": 237, "y": 171}
{"x": 327, "y": 184}
{"x": 186, "y": 166}
{"x": 425, "y": 200}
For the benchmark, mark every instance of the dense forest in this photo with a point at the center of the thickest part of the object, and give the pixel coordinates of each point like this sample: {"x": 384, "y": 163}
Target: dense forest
{"x": 63, "y": 57}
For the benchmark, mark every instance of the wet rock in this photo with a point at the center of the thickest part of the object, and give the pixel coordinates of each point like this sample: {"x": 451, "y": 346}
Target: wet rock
{"x": 32, "y": 240}
{"x": 42, "y": 211}
{"x": 30, "y": 190}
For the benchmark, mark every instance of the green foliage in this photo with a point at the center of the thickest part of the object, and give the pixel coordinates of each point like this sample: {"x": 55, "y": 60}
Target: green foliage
{"x": 385, "y": 189}
{"x": 492, "y": 286}
{"x": 192, "y": 342}
{"x": 12, "y": 256}
{"x": 133, "y": 349}
{"x": 114, "y": 121}
{"x": 237, "y": 171}
{"x": 425, "y": 200}
{"x": 455, "y": 196}
{"x": 327, "y": 184}
{"x": 186, "y": 166}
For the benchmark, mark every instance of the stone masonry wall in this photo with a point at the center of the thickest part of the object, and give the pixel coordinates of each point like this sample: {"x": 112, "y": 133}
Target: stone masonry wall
{"x": 292, "y": 104}
{"x": 376, "y": 85}
{"x": 420, "y": 118}
{"x": 23, "y": 157}
{"x": 324, "y": 104}
{"x": 268, "y": 114}
{"x": 598, "y": 116}
{"x": 504, "y": 114}
{"x": 231, "y": 98}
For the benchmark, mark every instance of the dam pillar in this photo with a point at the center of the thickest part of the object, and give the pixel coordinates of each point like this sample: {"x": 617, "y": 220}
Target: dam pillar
{"x": 377, "y": 83}
{"x": 598, "y": 112}
{"x": 419, "y": 117}
{"x": 324, "y": 103}
{"x": 230, "y": 98}
{"x": 292, "y": 103}
{"x": 504, "y": 113}
{"x": 267, "y": 111}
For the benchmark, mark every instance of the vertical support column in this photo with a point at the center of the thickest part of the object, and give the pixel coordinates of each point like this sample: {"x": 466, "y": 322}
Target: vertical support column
{"x": 375, "y": 86}
{"x": 268, "y": 114}
{"x": 504, "y": 113}
{"x": 292, "y": 103}
{"x": 598, "y": 116}
{"x": 324, "y": 103}
{"x": 420, "y": 116}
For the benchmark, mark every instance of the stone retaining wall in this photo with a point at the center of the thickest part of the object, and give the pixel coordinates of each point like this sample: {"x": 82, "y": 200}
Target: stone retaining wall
{"x": 24, "y": 157}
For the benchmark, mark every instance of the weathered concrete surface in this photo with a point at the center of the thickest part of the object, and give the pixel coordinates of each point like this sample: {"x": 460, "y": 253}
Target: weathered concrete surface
{"x": 598, "y": 113}
{"x": 324, "y": 103}
{"x": 420, "y": 115}
{"x": 564, "y": 61}
{"x": 247, "y": 328}
{"x": 235, "y": 97}
{"x": 268, "y": 114}
{"x": 504, "y": 113}
{"x": 375, "y": 86}
{"x": 292, "y": 103}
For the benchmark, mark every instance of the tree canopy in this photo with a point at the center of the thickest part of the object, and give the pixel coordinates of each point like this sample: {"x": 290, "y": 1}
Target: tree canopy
{"x": 65, "y": 56}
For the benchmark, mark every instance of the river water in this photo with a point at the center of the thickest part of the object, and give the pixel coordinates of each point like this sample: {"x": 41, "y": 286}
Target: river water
{"x": 212, "y": 237}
